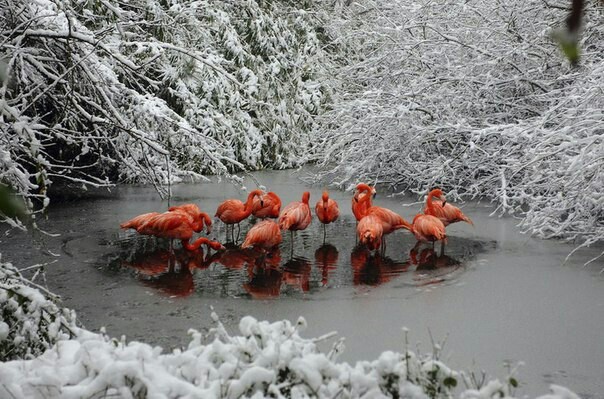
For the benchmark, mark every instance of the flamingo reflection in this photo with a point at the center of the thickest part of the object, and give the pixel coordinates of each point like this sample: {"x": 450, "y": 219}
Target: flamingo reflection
{"x": 373, "y": 268}
{"x": 265, "y": 276}
{"x": 234, "y": 257}
{"x": 169, "y": 271}
{"x": 326, "y": 258}
{"x": 431, "y": 267}
{"x": 296, "y": 273}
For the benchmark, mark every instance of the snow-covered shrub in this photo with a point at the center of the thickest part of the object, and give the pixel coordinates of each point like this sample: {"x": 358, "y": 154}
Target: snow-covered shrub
{"x": 474, "y": 97}
{"x": 93, "y": 92}
{"x": 30, "y": 321}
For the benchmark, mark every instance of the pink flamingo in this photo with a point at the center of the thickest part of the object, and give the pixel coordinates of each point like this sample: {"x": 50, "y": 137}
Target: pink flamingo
{"x": 296, "y": 216}
{"x": 175, "y": 225}
{"x": 196, "y": 214}
{"x": 266, "y": 206}
{"x": 443, "y": 210}
{"x": 265, "y": 234}
{"x": 233, "y": 211}
{"x": 359, "y": 208}
{"x": 327, "y": 211}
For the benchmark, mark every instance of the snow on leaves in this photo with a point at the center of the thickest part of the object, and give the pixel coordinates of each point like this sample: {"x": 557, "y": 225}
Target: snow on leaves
{"x": 96, "y": 92}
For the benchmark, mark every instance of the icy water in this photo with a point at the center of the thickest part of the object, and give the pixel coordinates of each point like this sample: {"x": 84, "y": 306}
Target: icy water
{"x": 496, "y": 295}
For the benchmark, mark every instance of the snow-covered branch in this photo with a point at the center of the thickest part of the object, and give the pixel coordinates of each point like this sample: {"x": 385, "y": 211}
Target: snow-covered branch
{"x": 474, "y": 97}
{"x": 94, "y": 93}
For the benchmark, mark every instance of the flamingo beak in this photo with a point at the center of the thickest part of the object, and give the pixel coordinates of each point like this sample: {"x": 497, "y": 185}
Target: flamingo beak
{"x": 444, "y": 200}
{"x": 374, "y": 194}
{"x": 262, "y": 203}
{"x": 355, "y": 199}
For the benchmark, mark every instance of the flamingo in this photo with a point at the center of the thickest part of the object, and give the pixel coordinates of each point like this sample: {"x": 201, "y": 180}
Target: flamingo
{"x": 428, "y": 228}
{"x": 233, "y": 211}
{"x": 390, "y": 220}
{"x": 327, "y": 211}
{"x": 374, "y": 269}
{"x": 370, "y": 231}
{"x": 446, "y": 212}
{"x": 296, "y": 216}
{"x": 175, "y": 225}
{"x": 359, "y": 208}
{"x": 265, "y": 234}
{"x": 195, "y": 213}
{"x": 266, "y": 206}
{"x": 265, "y": 280}
{"x": 296, "y": 273}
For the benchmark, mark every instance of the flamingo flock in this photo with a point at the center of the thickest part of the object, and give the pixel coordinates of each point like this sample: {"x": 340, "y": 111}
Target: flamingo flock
{"x": 374, "y": 223}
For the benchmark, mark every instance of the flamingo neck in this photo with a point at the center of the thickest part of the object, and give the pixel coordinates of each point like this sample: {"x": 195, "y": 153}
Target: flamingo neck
{"x": 306, "y": 197}
{"x": 365, "y": 204}
{"x": 247, "y": 208}
{"x": 195, "y": 244}
{"x": 208, "y": 222}
{"x": 429, "y": 201}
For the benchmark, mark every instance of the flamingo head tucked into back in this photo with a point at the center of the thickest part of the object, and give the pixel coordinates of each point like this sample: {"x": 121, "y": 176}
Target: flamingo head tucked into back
{"x": 306, "y": 197}
{"x": 362, "y": 187}
{"x": 325, "y": 198}
{"x": 438, "y": 194}
{"x": 371, "y": 240}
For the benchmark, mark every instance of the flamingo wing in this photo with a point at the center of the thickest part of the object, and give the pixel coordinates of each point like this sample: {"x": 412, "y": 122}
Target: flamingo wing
{"x": 169, "y": 224}
{"x": 135, "y": 222}
{"x": 391, "y": 220}
{"x": 191, "y": 209}
{"x": 265, "y": 234}
{"x": 230, "y": 211}
{"x": 295, "y": 216}
{"x": 428, "y": 228}
{"x": 453, "y": 214}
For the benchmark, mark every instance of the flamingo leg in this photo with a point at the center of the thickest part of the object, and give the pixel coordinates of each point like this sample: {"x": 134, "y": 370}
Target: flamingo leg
{"x": 442, "y": 247}
{"x": 417, "y": 245}
{"x": 324, "y": 233}
{"x": 171, "y": 261}
{"x": 238, "y": 230}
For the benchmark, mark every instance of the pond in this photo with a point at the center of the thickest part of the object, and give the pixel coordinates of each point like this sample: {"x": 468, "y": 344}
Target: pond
{"x": 497, "y": 296}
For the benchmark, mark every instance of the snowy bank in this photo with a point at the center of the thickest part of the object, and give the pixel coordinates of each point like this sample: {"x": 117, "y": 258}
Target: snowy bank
{"x": 263, "y": 360}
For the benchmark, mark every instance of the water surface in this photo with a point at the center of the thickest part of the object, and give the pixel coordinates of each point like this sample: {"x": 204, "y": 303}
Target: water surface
{"x": 495, "y": 294}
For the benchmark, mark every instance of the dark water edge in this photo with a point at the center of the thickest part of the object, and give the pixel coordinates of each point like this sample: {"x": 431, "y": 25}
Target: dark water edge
{"x": 499, "y": 295}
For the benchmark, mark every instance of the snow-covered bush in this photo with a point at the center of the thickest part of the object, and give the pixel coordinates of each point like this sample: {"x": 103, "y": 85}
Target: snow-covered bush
{"x": 30, "y": 321}
{"x": 98, "y": 91}
{"x": 474, "y": 97}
